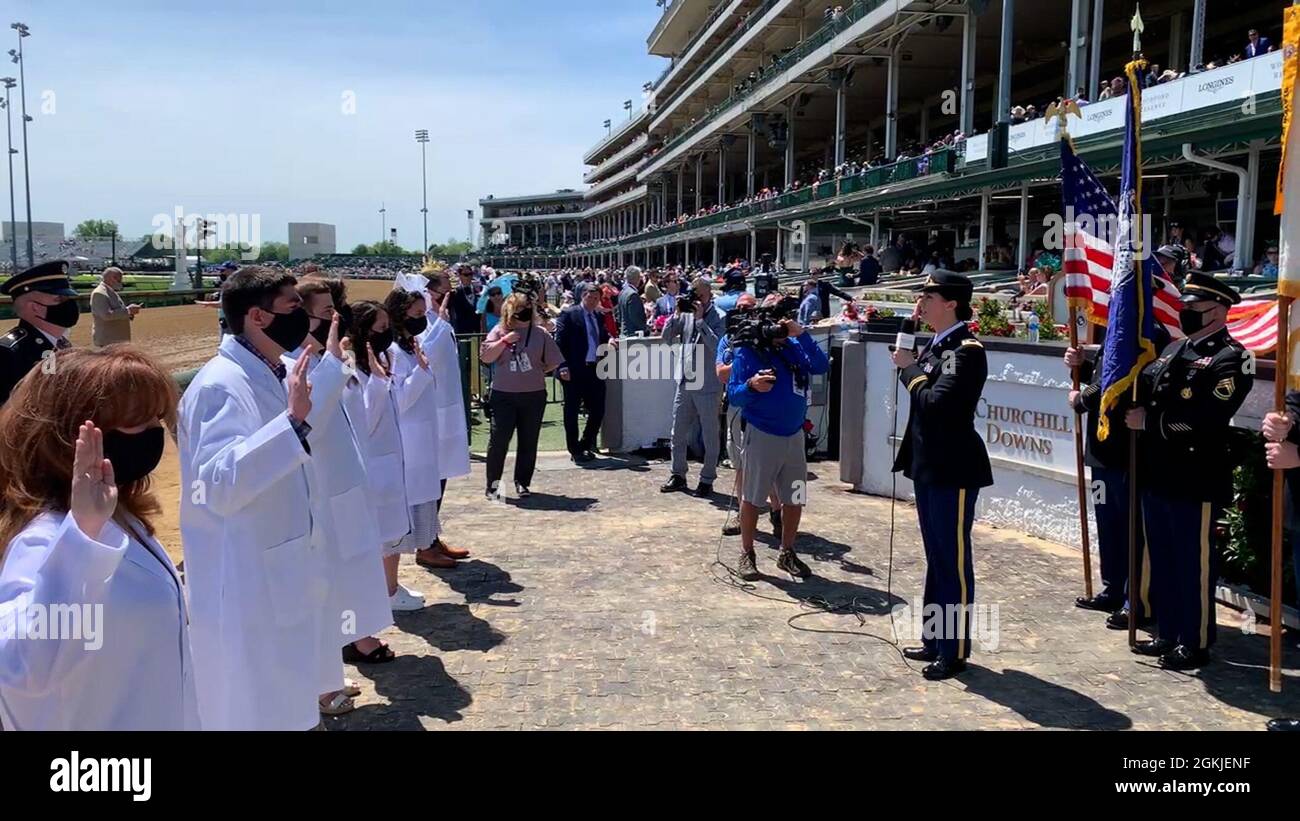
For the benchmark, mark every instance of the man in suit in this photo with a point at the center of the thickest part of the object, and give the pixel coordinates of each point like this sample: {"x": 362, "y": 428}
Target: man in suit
{"x": 580, "y": 332}
{"x": 695, "y": 328}
{"x": 46, "y": 304}
{"x": 945, "y": 458}
{"x": 112, "y": 316}
{"x": 630, "y": 312}
{"x": 1256, "y": 44}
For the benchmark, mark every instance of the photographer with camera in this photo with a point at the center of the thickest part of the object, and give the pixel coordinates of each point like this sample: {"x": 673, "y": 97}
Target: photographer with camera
{"x": 774, "y": 359}
{"x": 695, "y": 328}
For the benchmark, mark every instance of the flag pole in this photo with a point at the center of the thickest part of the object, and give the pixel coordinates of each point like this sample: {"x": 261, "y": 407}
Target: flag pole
{"x": 1135, "y": 94}
{"x": 1078, "y": 461}
{"x": 1281, "y": 371}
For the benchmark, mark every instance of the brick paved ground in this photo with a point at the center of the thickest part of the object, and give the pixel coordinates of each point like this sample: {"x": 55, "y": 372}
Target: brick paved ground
{"x": 593, "y": 605}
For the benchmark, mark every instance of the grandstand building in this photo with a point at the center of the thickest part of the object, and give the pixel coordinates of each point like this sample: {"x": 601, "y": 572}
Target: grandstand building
{"x": 533, "y": 231}
{"x": 784, "y": 127}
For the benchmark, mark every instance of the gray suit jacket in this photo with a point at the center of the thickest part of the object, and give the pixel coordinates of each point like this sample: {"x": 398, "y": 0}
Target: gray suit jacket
{"x": 630, "y": 312}
{"x": 683, "y": 330}
{"x": 112, "y": 320}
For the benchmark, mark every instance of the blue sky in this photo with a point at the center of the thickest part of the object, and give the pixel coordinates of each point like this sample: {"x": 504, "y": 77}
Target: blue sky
{"x": 242, "y": 107}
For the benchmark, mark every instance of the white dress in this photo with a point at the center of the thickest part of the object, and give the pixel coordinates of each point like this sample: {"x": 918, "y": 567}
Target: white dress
{"x": 127, "y": 666}
{"x": 417, "y": 420}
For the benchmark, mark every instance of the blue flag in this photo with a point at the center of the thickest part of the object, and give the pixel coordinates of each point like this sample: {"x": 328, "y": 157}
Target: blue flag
{"x": 1130, "y": 338}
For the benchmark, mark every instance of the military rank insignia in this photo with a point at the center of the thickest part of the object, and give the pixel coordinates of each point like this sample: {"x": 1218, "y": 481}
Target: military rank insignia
{"x": 1225, "y": 389}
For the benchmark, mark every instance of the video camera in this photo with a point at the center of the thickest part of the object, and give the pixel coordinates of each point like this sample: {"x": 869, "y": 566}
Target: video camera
{"x": 687, "y": 301}
{"x": 761, "y": 327}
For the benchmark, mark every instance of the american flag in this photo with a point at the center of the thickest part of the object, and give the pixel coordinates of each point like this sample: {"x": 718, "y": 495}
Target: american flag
{"x": 1089, "y": 258}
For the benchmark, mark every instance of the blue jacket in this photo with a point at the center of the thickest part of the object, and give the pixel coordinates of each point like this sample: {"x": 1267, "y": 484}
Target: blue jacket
{"x": 782, "y": 410}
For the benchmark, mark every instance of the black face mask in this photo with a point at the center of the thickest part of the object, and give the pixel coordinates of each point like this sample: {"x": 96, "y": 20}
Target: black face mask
{"x": 322, "y": 331}
{"x": 526, "y": 315}
{"x": 134, "y": 455}
{"x": 289, "y": 330}
{"x": 65, "y": 314}
{"x": 380, "y": 342}
{"x": 416, "y": 325}
{"x": 1191, "y": 320}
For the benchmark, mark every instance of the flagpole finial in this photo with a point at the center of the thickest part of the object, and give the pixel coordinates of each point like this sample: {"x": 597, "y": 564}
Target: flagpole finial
{"x": 1138, "y": 28}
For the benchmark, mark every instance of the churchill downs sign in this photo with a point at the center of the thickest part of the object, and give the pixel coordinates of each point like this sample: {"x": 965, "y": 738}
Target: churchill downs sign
{"x": 1020, "y": 429}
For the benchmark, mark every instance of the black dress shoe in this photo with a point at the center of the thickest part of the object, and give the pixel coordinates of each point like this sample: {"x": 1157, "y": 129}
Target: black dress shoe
{"x": 582, "y": 457}
{"x": 1119, "y": 621}
{"x": 1284, "y": 725}
{"x": 674, "y": 484}
{"x": 1183, "y": 657}
{"x": 704, "y": 491}
{"x": 943, "y": 668}
{"x": 920, "y": 654}
{"x": 521, "y": 491}
{"x": 1155, "y": 647}
{"x": 1100, "y": 602}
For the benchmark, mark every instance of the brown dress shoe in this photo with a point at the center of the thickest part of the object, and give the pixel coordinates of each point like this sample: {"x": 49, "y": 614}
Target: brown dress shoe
{"x": 447, "y": 550}
{"x": 433, "y": 560}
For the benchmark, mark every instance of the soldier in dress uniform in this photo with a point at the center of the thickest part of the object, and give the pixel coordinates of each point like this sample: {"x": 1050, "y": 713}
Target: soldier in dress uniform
{"x": 945, "y": 459}
{"x": 46, "y": 304}
{"x": 1108, "y": 461}
{"x": 1186, "y": 399}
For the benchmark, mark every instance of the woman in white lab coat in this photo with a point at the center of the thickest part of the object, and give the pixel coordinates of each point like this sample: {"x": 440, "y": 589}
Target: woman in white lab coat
{"x": 77, "y": 445}
{"x": 372, "y": 407}
{"x": 358, "y": 601}
{"x": 440, "y": 348}
{"x": 417, "y": 419}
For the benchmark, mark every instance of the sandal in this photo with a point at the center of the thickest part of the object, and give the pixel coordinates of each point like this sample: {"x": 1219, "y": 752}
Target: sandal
{"x": 339, "y": 704}
{"x": 380, "y": 655}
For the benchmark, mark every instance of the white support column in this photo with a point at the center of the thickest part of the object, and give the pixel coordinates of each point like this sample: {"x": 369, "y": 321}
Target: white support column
{"x": 751, "y": 155}
{"x": 925, "y": 124}
{"x": 837, "y": 81}
{"x": 1196, "y": 56}
{"x": 967, "y": 91}
{"x": 753, "y": 246}
{"x": 780, "y": 247}
{"x": 984, "y": 228}
{"x": 789, "y": 145}
{"x": 1022, "y": 246}
{"x": 722, "y": 175}
{"x": 699, "y": 182}
{"x": 1078, "y": 47}
{"x": 681, "y": 182}
{"x": 1094, "y": 64}
{"x": 1248, "y": 211}
{"x": 716, "y": 260}
{"x": 891, "y": 107}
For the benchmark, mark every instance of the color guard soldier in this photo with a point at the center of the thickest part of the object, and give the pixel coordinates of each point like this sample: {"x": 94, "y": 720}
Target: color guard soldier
{"x": 46, "y": 304}
{"x": 1187, "y": 398}
{"x": 945, "y": 459}
{"x": 1108, "y": 462}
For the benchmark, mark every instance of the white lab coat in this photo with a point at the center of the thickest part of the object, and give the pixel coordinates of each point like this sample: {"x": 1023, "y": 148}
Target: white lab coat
{"x": 140, "y": 678}
{"x": 417, "y": 419}
{"x": 252, "y": 548}
{"x": 357, "y": 603}
{"x": 439, "y": 342}
{"x": 369, "y": 404}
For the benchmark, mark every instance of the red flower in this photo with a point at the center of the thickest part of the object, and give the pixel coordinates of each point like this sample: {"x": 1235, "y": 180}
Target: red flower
{"x": 807, "y": 426}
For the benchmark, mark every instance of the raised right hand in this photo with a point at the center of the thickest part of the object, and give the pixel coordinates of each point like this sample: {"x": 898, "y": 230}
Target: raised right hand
{"x": 94, "y": 491}
{"x": 300, "y": 390}
{"x": 376, "y": 364}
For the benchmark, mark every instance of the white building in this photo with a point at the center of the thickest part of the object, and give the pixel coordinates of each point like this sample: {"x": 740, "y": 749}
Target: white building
{"x": 307, "y": 239}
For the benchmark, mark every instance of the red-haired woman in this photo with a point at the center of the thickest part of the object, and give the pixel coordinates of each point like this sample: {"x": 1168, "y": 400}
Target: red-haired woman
{"x": 78, "y": 442}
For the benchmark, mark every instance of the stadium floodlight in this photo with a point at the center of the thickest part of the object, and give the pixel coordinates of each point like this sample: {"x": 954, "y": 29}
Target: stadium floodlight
{"x": 9, "y": 83}
{"x": 422, "y": 137}
{"x": 17, "y": 56}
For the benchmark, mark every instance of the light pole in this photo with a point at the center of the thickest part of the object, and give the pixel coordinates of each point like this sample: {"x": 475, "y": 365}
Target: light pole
{"x": 422, "y": 137}
{"x": 17, "y": 56}
{"x": 9, "y": 83}
{"x": 383, "y": 223}
{"x": 469, "y": 234}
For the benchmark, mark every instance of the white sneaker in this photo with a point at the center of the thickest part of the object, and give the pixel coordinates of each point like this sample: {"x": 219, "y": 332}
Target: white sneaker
{"x": 404, "y": 600}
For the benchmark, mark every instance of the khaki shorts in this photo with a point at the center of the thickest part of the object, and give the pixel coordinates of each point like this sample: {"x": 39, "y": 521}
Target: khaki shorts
{"x": 774, "y": 463}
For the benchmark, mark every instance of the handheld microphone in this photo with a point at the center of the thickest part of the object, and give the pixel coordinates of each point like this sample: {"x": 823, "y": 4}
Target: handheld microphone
{"x": 906, "y": 340}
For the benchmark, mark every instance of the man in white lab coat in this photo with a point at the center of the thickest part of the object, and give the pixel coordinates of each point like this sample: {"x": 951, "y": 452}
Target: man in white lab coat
{"x": 251, "y": 560}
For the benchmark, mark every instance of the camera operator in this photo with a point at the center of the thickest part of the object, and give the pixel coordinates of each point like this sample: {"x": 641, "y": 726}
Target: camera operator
{"x": 695, "y": 328}
{"x": 774, "y": 357}
{"x": 945, "y": 459}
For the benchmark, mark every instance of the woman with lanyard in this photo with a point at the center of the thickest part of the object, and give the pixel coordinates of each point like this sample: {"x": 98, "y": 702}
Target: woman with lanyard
{"x": 77, "y": 446}
{"x": 523, "y": 354}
